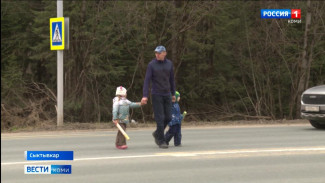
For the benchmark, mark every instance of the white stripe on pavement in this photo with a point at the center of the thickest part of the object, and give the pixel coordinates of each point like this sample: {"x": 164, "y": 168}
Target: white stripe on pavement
{"x": 243, "y": 151}
{"x": 320, "y": 150}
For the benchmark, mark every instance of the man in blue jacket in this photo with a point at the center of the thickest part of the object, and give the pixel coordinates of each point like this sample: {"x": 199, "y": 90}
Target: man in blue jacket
{"x": 160, "y": 73}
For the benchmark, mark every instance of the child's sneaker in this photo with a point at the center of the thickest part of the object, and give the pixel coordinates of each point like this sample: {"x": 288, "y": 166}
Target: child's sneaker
{"x": 121, "y": 147}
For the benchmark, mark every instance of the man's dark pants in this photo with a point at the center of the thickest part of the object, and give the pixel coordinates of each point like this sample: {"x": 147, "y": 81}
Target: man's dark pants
{"x": 162, "y": 106}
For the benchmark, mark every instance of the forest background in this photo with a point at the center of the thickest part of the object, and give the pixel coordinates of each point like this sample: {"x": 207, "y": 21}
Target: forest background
{"x": 229, "y": 63}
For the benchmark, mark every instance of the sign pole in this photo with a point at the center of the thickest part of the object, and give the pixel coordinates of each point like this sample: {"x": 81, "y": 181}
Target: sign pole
{"x": 60, "y": 73}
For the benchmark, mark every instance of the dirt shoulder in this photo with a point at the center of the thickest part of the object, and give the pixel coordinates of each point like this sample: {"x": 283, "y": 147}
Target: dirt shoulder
{"x": 51, "y": 126}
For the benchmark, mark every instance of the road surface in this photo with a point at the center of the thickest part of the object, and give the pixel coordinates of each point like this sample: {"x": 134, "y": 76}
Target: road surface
{"x": 247, "y": 154}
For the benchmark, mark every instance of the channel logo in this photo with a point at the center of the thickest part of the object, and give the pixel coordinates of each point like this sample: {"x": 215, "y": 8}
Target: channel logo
{"x": 281, "y": 13}
{"x": 47, "y": 169}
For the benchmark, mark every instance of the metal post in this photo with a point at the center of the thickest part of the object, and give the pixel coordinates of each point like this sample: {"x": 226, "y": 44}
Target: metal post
{"x": 60, "y": 73}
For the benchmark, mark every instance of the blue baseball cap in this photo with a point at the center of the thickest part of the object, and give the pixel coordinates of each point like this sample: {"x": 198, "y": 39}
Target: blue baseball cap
{"x": 160, "y": 49}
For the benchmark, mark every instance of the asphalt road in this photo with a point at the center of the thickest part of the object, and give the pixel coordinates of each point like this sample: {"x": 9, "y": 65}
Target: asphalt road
{"x": 251, "y": 154}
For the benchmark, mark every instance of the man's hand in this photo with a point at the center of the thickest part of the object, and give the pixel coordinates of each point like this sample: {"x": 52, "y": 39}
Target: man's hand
{"x": 144, "y": 100}
{"x": 173, "y": 99}
{"x": 115, "y": 121}
{"x": 139, "y": 103}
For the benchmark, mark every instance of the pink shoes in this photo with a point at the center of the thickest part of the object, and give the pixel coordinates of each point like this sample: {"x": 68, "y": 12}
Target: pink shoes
{"x": 122, "y": 147}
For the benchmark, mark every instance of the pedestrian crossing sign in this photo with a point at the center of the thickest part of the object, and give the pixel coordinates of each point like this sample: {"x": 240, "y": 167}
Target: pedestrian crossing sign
{"x": 57, "y": 36}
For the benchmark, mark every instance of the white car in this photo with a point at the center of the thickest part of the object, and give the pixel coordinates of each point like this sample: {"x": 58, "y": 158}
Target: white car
{"x": 313, "y": 106}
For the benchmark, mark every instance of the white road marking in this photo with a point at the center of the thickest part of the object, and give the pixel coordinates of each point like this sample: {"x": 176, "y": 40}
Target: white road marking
{"x": 320, "y": 150}
{"x": 244, "y": 151}
{"x": 53, "y": 136}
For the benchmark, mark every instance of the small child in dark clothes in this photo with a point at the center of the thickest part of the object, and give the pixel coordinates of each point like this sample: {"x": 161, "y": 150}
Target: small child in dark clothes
{"x": 175, "y": 123}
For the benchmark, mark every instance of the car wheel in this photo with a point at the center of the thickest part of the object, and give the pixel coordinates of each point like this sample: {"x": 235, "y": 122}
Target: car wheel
{"x": 316, "y": 125}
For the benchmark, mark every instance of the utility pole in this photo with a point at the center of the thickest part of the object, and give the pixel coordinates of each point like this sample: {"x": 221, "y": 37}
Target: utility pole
{"x": 60, "y": 73}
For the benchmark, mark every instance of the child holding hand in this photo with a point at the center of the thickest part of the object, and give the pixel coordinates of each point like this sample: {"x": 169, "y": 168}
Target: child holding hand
{"x": 121, "y": 107}
{"x": 175, "y": 123}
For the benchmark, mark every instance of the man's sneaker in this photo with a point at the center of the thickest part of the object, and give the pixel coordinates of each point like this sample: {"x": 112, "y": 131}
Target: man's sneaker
{"x": 156, "y": 139}
{"x": 163, "y": 145}
{"x": 178, "y": 145}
